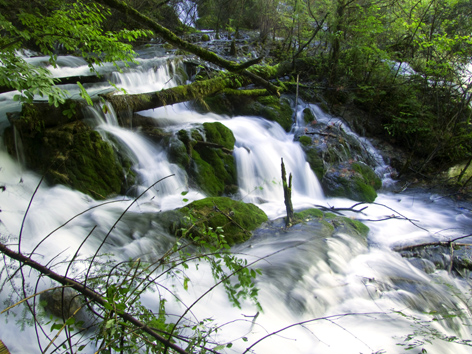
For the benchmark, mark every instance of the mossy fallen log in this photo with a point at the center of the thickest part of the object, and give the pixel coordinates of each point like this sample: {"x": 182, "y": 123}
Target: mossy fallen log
{"x": 123, "y": 104}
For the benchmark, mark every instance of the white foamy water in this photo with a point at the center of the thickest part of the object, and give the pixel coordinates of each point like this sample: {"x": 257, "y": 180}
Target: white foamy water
{"x": 347, "y": 295}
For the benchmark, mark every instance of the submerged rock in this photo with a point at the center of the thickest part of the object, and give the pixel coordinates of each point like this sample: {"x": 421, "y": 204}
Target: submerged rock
{"x": 430, "y": 258}
{"x": 62, "y": 302}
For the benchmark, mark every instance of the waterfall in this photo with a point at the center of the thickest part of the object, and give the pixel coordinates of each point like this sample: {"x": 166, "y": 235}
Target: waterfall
{"x": 351, "y": 296}
{"x": 260, "y": 146}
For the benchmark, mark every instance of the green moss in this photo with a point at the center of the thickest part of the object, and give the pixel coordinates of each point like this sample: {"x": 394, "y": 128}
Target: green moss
{"x": 316, "y": 162}
{"x": 359, "y": 226}
{"x": 308, "y": 214}
{"x": 92, "y": 167}
{"x": 305, "y": 140}
{"x": 368, "y": 173}
{"x": 308, "y": 116}
{"x": 205, "y": 37}
{"x": 352, "y": 187}
{"x": 219, "y": 134}
{"x": 204, "y": 176}
{"x": 331, "y": 221}
{"x": 76, "y": 156}
{"x": 269, "y": 107}
{"x": 178, "y": 152}
{"x": 218, "y": 104}
{"x": 248, "y": 93}
{"x": 237, "y": 219}
{"x": 211, "y": 168}
{"x": 364, "y": 192}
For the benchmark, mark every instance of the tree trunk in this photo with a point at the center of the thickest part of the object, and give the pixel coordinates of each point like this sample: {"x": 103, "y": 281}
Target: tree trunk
{"x": 123, "y": 104}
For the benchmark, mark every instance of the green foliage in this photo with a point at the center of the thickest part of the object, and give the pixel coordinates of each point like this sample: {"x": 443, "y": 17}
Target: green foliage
{"x": 73, "y": 26}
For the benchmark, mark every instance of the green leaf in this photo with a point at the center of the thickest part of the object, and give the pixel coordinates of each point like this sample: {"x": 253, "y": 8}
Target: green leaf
{"x": 186, "y": 280}
{"x": 84, "y": 94}
{"x": 110, "y": 323}
{"x": 56, "y": 327}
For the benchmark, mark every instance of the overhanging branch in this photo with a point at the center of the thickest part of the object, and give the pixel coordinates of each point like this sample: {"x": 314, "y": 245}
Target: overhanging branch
{"x": 87, "y": 292}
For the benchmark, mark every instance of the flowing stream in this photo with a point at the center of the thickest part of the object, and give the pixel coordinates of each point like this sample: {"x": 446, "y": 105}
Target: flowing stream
{"x": 346, "y": 296}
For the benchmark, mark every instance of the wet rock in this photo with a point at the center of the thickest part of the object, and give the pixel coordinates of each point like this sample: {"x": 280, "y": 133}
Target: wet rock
{"x": 206, "y": 152}
{"x": 61, "y": 302}
{"x": 66, "y": 303}
{"x": 72, "y": 154}
{"x": 432, "y": 257}
{"x": 348, "y": 183}
{"x": 339, "y": 160}
{"x": 237, "y": 219}
{"x": 269, "y": 107}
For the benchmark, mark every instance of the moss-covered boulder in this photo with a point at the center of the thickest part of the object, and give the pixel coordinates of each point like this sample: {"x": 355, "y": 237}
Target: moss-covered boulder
{"x": 74, "y": 155}
{"x": 237, "y": 219}
{"x": 308, "y": 116}
{"x": 355, "y": 181}
{"x": 205, "y": 151}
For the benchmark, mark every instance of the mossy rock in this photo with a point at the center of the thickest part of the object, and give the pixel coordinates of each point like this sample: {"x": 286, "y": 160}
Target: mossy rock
{"x": 315, "y": 161}
{"x": 177, "y": 152}
{"x": 205, "y": 152}
{"x": 204, "y": 176}
{"x": 236, "y": 218}
{"x": 76, "y": 156}
{"x": 218, "y": 133}
{"x": 346, "y": 182}
{"x": 368, "y": 174}
{"x": 272, "y": 108}
{"x": 304, "y": 140}
{"x": 308, "y": 116}
{"x": 333, "y": 222}
{"x": 218, "y": 104}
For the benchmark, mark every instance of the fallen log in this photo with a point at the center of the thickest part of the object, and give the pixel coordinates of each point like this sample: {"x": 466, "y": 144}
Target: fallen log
{"x": 123, "y": 104}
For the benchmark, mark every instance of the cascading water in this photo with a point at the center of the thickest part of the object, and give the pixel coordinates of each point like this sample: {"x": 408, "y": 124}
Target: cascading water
{"x": 350, "y": 296}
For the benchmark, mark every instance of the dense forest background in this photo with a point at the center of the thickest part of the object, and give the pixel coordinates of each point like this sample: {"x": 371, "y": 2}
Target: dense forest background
{"x": 405, "y": 64}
